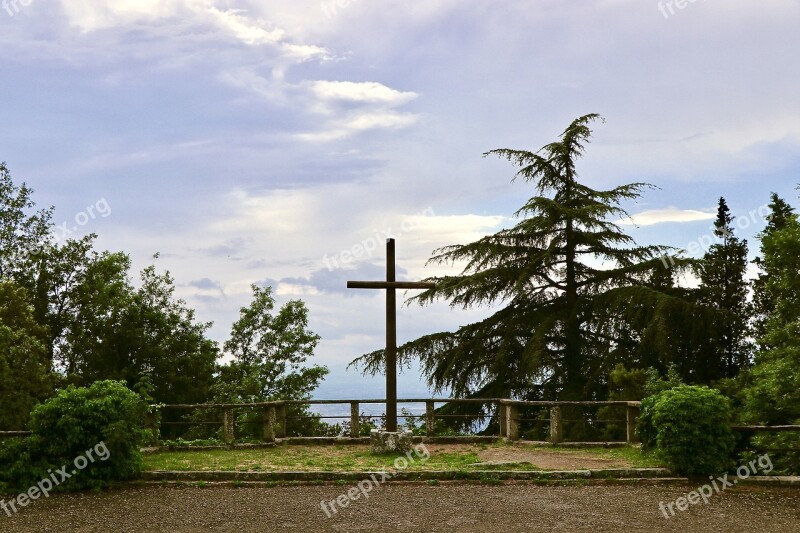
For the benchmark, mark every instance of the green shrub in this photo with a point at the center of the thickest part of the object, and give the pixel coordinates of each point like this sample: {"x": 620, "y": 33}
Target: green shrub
{"x": 95, "y": 432}
{"x": 20, "y": 464}
{"x": 689, "y": 429}
{"x": 79, "y": 419}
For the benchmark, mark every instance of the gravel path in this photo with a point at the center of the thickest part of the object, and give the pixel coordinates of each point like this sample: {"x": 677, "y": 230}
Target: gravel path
{"x": 408, "y": 507}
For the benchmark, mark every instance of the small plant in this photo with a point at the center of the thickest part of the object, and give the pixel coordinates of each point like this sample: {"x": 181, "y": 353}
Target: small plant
{"x": 366, "y": 423}
{"x": 182, "y": 443}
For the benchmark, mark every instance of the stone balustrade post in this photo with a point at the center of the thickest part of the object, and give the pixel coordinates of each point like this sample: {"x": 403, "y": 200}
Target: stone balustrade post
{"x": 355, "y": 420}
{"x": 556, "y": 426}
{"x": 228, "y": 425}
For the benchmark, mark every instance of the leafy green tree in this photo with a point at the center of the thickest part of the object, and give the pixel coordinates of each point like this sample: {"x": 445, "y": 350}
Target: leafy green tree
{"x": 723, "y": 287}
{"x": 24, "y": 234}
{"x": 91, "y": 321}
{"x": 270, "y": 353}
{"x": 663, "y": 336}
{"x": 61, "y": 295}
{"x": 627, "y": 385}
{"x": 150, "y": 334}
{"x": 772, "y": 390}
{"x": 24, "y": 376}
{"x": 773, "y": 395}
{"x": 99, "y": 304}
{"x": 270, "y": 361}
{"x": 566, "y": 279}
{"x": 655, "y": 383}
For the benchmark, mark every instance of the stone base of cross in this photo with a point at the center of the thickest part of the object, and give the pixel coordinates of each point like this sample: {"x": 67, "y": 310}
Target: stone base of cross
{"x": 391, "y": 285}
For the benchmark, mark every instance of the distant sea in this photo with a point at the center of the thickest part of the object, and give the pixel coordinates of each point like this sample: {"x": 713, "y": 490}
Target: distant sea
{"x": 353, "y": 386}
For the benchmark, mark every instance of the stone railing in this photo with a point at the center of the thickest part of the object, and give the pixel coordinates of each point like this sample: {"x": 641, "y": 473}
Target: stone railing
{"x": 508, "y": 412}
{"x": 276, "y": 418}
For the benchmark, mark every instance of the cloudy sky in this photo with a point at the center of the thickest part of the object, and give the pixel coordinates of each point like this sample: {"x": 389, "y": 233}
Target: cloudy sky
{"x": 281, "y": 142}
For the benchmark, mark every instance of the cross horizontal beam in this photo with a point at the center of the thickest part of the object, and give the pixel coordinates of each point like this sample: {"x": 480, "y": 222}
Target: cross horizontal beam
{"x": 390, "y": 285}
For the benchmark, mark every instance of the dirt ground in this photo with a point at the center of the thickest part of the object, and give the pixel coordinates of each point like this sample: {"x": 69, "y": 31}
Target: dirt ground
{"x": 549, "y": 460}
{"x": 542, "y": 458}
{"x": 407, "y": 507}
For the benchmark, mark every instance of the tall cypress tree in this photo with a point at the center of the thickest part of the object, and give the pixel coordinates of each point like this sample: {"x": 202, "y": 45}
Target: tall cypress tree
{"x": 724, "y": 288}
{"x": 781, "y": 215}
{"x": 562, "y": 277}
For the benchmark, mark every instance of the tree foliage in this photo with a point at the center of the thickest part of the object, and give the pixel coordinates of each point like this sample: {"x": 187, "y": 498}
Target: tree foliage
{"x": 90, "y": 322}
{"x": 764, "y": 293}
{"x": 24, "y": 234}
{"x": 270, "y": 353}
{"x": 24, "y": 376}
{"x": 773, "y": 396}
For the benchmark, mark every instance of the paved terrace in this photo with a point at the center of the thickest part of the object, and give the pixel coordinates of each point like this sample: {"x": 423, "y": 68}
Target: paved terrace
{"x": 414, "y": 507}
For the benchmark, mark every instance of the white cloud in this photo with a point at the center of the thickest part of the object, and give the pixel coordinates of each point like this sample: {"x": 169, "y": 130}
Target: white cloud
{"x": 253, "y": 33}
{"x": 659, "y": 216}
{"x": 356, "y": 122}
{"x": 94, "y": 15}
{"x": 244, "y": 30}
{"x": 454, "y": 228}
{"x": 375, "y": 108}
{"x": 365, "y": 92}
{"x": 279, "y": 212}
{"x": 91, "y": 15}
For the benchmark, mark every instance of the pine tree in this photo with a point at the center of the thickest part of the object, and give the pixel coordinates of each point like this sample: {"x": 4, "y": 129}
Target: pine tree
{"x": 564, "y": 278}
{"x": 781, "y": 215}
{"x": 724, "y": 288}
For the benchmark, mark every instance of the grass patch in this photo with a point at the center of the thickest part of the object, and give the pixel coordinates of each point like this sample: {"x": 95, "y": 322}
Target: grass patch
{"x": 336, "y": 458}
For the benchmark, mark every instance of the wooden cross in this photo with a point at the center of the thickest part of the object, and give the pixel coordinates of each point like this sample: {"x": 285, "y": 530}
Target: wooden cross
{"x": 391, "y": 284}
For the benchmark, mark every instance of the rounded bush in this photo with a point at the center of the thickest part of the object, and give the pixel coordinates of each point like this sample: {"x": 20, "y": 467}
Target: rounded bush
{"x": 689, "y": 429}
{"x": 96, "y": 430}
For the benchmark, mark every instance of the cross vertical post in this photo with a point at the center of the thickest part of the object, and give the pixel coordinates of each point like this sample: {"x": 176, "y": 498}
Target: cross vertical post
{"x": 391, "y": 339}
{"x": 391, "y": 285}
